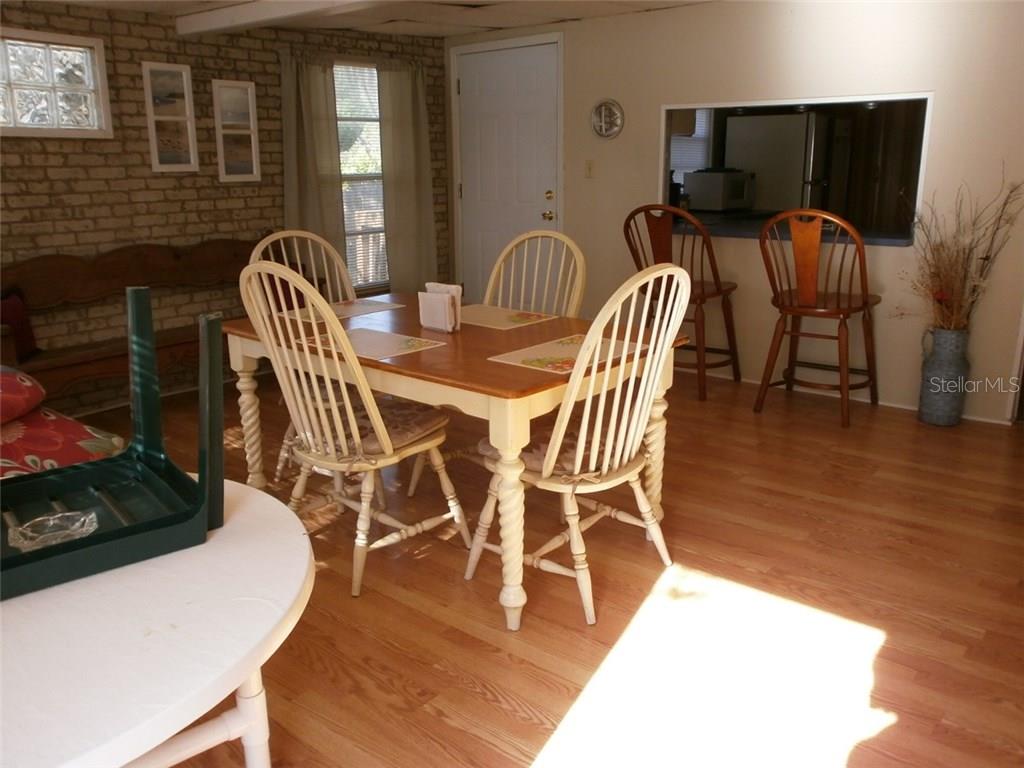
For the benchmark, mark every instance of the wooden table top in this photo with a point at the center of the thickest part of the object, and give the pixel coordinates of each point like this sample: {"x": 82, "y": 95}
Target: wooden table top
{"x": 462, "y": 361}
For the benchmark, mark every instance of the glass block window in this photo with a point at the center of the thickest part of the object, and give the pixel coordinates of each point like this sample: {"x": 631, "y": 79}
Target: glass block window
{"x": 52, "y": 84}
{"x": 362, "y": 179}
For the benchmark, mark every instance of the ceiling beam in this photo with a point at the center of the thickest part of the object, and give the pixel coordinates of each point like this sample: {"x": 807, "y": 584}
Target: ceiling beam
{"x": 255, "y": 13}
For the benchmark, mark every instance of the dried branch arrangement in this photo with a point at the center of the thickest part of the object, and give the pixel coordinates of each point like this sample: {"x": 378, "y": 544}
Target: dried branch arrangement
{"x": 957, "y": 251}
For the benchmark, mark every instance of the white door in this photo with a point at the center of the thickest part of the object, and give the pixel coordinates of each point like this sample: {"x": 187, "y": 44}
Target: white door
{"x": 508, "y": 152}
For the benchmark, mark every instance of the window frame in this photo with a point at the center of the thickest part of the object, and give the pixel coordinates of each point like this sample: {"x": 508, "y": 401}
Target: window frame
{"x": 221, "y": 131}
{"x": 105, "y": 128}
{"x": 374, "y": 287}
{"x": 189, "y": 119}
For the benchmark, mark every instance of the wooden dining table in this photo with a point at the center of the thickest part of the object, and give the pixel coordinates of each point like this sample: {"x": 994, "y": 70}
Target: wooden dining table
{"x": 459, "y": 375}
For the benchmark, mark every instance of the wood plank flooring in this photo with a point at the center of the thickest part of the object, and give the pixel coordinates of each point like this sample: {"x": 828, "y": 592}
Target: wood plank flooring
{"x": 917, "y": 531}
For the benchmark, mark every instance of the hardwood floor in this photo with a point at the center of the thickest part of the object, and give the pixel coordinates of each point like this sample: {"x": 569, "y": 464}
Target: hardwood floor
{"x": 914, "y": 531}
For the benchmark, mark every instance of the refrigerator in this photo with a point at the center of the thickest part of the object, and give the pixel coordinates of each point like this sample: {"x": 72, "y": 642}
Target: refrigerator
{"x": 786, "y": 152}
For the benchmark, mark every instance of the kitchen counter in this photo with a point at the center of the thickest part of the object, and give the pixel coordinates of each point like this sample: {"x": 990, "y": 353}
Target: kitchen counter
{"x": 747, "y": 224}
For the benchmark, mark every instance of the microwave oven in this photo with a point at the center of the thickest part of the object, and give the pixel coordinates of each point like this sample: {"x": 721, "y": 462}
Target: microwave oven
{"x": 719, "y": 190}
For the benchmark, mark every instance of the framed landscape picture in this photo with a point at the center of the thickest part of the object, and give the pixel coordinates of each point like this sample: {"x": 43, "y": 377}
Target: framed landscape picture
{"x": 238, "y": 145}
{"x": 170, "y": 117}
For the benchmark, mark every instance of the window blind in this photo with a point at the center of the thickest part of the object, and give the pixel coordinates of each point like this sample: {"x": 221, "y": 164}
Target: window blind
{"x": 362, "y": 193}
{"x": 691, "y": 153}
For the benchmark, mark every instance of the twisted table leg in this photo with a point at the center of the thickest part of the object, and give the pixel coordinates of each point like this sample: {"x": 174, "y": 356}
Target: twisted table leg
{"x": 509, "y": 432}
{"x": 654, "y": 444}
{"x": 249, "y": 407}
{"x": 511, "y": 513}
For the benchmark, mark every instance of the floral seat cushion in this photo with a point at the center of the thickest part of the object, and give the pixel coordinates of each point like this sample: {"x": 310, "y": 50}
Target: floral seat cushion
{"x": 43, "y": 439}
{"x": 533, "y": 454}
{"x": 19, "y": 394}
{"x": 406, "y": 422}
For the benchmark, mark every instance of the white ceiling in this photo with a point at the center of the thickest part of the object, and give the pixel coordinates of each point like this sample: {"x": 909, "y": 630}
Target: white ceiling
{"x": 392, "y": 17}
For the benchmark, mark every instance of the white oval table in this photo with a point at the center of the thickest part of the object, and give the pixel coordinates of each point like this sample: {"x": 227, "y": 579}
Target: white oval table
{"x": 105, "y": 670}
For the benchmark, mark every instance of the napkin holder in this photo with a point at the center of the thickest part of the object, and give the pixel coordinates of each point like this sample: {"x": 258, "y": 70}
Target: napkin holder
{"x": 441, "y": 307}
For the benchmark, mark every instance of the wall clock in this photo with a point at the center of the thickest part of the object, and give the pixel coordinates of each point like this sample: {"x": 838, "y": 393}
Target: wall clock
{"x": 607, "y": 118}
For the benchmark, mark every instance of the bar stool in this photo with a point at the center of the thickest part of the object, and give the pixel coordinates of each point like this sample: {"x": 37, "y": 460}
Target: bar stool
{"x": 648, "y": 231}
{"x": 816, "y": 267}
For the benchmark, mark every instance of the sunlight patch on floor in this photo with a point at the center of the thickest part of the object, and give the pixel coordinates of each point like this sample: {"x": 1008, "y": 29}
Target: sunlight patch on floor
{"x": 712, "y": 673}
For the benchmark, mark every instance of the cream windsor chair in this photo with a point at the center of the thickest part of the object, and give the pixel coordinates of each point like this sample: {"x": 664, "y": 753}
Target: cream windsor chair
{"x": 340, "y": 429}
{"x": 539, "y": 271}
{"x": 597, "y": 438}
{"x": 317, "y": 260}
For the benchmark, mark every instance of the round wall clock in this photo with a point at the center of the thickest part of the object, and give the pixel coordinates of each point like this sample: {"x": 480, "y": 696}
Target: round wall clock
{"x": 607, "y": 118}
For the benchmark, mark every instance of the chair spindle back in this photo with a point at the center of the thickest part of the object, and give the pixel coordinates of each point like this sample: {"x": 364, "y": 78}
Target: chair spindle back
{"x": 649, "y": 232}
{"x": 539, "y": 271}
{"x": 608, "y": 412}
{"x": 820, "y": 264}
{"x": 312, "y": 358}
{"x": 312, "y": 257}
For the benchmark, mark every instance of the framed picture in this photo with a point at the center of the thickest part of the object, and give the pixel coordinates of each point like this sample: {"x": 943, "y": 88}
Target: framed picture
{"x": 238, "y": 143}
{"x": 169, "y": 117}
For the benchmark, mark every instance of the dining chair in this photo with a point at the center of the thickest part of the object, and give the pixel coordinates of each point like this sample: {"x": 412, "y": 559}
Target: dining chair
{"x": 649, "y": 232}
{"x": 817, "y": 269}
{"x": 539, "y": 271}
{"x": 318, "y": 261}
{"x": 340, "y": 429}
{"x": 596, "y": 442}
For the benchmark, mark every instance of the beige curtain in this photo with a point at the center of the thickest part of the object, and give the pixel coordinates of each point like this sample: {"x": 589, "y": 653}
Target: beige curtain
{"x": 408, "y": 186}
{"x": 312, "y": 171}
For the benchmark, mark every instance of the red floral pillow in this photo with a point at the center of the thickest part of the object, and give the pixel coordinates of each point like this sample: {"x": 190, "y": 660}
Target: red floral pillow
{"x": 19, "y": 394}
{"x": 45, "y": 439}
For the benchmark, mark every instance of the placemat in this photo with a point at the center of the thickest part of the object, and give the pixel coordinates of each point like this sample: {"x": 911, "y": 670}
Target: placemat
{"x": 378, "y": 345}
{"x": 362, "y": 307}
{"x": 352, "y": 308}
{"x": 557, "y": 356}
{"x": 500, "y": 318}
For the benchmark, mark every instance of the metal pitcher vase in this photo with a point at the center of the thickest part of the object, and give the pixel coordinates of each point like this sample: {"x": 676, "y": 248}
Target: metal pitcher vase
{"x": 944, "y": 378}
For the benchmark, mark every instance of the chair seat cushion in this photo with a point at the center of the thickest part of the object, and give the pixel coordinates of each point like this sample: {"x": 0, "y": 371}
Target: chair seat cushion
{"x": 44, "y": 439}
{"x": 534, "y": 453}
{"x": 405, "y": 420}
{"x": 19, "y": 394}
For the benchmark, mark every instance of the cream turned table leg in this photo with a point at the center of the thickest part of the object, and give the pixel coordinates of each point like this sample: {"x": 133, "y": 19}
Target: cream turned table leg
{"x": 249, "y": 408}
{"x": 248, "y": 722}
{"x": 509, "y": 433}
{"x": 654, "y": 443}
{"x": 251, "y": 701}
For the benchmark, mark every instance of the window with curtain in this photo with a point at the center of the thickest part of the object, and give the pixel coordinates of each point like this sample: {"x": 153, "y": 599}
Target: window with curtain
{"x": 691, "y": 153}
{"x": 362, "y": 178}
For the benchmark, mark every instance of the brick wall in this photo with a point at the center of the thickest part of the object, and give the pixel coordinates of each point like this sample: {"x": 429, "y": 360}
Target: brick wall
{"x": 87, "y": 196}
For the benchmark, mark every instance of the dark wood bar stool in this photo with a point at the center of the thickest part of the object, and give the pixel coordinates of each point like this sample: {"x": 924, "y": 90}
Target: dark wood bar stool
{"x": 816, "y": 268}
{"x": 648, "y": 231}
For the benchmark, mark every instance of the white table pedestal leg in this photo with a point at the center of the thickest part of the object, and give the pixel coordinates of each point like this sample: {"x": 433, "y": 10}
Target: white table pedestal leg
{"x": 509, "y": 433}
{"x": 249, "y": 408}
{"x": 251, "y": 701}
{"x": 247, "y": 721}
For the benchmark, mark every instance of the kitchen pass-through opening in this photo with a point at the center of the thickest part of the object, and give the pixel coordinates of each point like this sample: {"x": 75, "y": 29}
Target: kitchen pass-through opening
{"x": 858, "y": 159}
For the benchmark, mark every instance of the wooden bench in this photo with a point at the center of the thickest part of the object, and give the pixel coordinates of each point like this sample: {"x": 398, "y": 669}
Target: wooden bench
{"x": 56, "y": 281}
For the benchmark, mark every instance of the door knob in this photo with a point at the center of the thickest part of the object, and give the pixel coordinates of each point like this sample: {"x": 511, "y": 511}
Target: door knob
{"x": 548, "y": 215}
{"x": 549, "y": 194}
